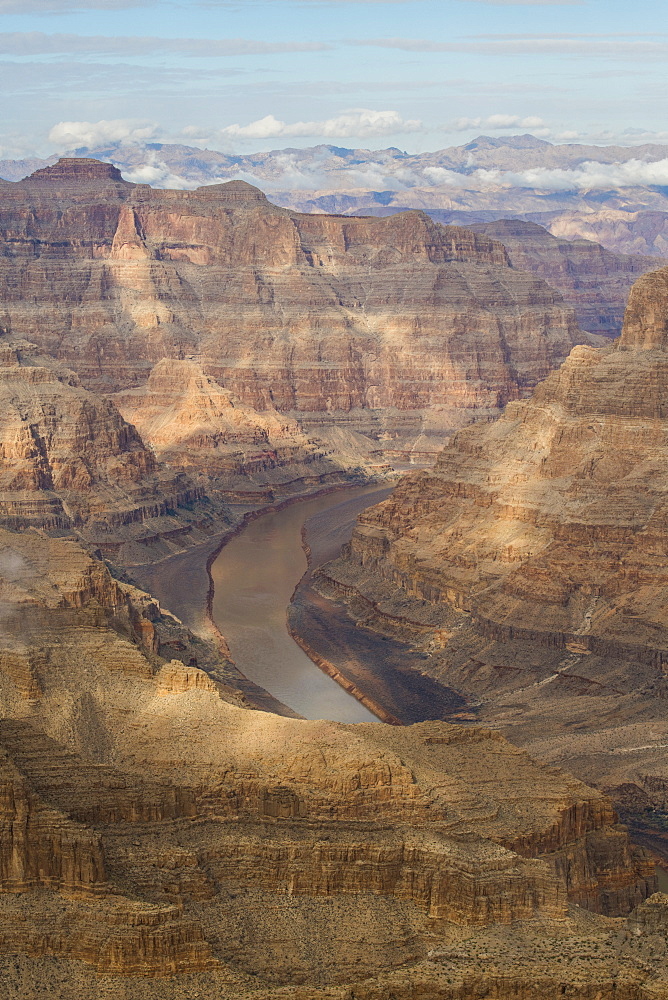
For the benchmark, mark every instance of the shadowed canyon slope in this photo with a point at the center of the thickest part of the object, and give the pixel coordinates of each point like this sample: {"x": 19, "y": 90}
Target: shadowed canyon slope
{"x": 69, "y": 462}
{"x": 531, "y": 562}
{"x": 593, "y": 281}
{"x": 390, "y": 326}
{"x": 154, "y": 827}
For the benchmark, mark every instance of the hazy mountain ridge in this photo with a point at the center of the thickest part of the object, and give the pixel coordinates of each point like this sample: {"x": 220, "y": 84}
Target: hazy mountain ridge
{"x": 616, "y": 195}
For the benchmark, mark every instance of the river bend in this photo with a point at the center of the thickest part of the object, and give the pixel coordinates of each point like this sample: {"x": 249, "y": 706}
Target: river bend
{"x": 254, "y": 578}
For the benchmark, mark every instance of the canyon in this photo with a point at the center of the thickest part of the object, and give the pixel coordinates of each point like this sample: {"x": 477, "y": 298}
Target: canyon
{"x": 332, "y": 321}
{"x": 154, "y": 826}
{"x": 528, "y": 565}
{"x": 172, "y": 363}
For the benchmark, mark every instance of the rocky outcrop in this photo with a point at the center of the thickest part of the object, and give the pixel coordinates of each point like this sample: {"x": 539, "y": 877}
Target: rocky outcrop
{"x": 532, "y": 559}
{"x": 70, "y": 461}
{"x": 41, "y": 846}
{"x": 154, "y": 827}
{"x": 301, "y": 314}
{"x": 594, "y": 281}
{"x": 191, "y": 422}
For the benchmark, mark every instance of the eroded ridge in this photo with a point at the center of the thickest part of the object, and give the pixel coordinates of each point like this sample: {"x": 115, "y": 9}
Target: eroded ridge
{"x": 153, "y": 826}
{"x": 531, "y": 562}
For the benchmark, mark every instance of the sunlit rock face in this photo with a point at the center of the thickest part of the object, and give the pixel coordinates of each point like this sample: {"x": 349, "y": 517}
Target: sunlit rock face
{"x": 70, "y": 462}
{"x": 362, "y": 321}
{"x": 533, "y": 561}
{"x": 553, "y": 517}
{"x": 153, "y": 827}
{"x": 191, "y": 422}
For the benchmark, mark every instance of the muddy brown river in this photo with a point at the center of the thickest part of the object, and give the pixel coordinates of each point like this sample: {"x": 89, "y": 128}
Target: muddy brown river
{"x": 254, "y": 578}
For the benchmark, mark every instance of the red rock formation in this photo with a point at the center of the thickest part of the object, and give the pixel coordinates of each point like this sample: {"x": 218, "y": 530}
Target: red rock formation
{"x": 340, "y": 318}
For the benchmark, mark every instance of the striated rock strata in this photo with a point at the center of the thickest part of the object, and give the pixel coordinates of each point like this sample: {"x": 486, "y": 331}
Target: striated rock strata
{"x": 68, "y": 461}
{"x": 530, "y": 564}
{"x": 594, "y": 281}
{"x": 388, "y": 326}
{"x": 191, "y": 422}
{"x": 154, "y": 827}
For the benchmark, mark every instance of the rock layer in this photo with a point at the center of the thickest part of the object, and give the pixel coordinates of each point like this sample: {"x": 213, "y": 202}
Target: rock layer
{"x": 531, "y": 561}
{"x": 200, "y": 837}
{"x": 191, "y": 422}
{"x": 594, "y": 281}
{"x": 363, "y": 322}
{"x": 70, "y": 462}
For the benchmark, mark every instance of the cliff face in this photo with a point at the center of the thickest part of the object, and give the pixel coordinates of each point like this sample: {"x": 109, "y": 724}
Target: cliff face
{"x": 191, "y": 422}
{"x": 70, "y": 461}
{"x": 594, "y": 281}
{"x": 153, "y": 827}
{"x": 335, "y": 319}
{"x": 533, "y": 558}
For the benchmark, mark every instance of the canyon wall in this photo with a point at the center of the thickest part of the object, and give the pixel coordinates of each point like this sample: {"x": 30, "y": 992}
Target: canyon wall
{"x": 235, "y": 452}
{"x": 594, "y": 281}
{"x": 530, "y": 564}
{"x": 69, "y": 462}
{"x": 387, "y": 326}
{"x": 153, "y": 826}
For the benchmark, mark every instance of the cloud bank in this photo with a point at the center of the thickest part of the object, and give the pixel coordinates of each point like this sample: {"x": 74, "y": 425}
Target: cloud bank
{"x": 358, "y": 123}
{"x": 496, "y": 122}
{"x": 66, "y": 6}
{"x": 587, "y": 177}
{"x": 610, "y": 46}
{"x": 75, "y": 135}
{"x": 29, "y": 43}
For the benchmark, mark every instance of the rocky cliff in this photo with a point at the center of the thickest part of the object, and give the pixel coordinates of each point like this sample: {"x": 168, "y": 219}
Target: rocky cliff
{"x": 191, "y": 422}
{"x": 530, "y": 563}
{"x": 154, "y": 827}
{"x": 385, "y": 326}
{"x": 68, "y": 461}
{"x": 594, "y": 281}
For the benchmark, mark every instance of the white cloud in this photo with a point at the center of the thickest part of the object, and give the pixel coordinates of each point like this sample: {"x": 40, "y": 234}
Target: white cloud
{"x": 73, "y": 135}
{"x": 358, "y": 123}
{"x": 589, "y": 176}
{"x": 586, "y": 177}
{"x": 495, "y": 122}
{"x": 156, "y": 173}
{"x": 66, "y": 6}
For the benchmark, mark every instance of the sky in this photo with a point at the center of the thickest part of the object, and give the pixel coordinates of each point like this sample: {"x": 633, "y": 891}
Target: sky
{"x": 265, "y": 74}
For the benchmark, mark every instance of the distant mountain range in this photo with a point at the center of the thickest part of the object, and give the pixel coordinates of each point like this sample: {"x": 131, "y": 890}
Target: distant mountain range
{"x": 616, "y": 195}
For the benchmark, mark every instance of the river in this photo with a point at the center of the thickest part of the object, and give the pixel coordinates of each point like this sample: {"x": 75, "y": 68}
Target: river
{"x": 254, "y": 578}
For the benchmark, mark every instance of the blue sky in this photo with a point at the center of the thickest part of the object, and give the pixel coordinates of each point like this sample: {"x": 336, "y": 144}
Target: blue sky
{"x": 261, "y": 74}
